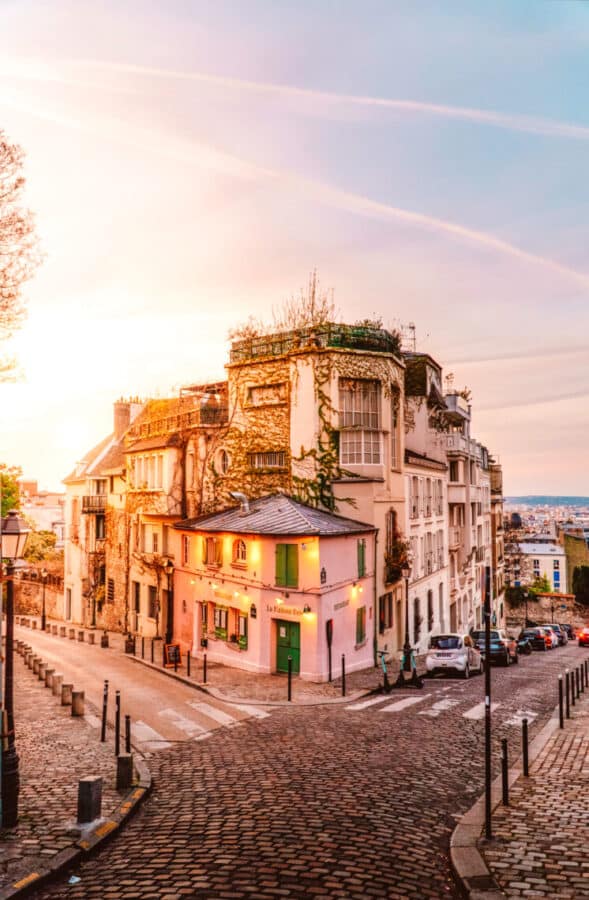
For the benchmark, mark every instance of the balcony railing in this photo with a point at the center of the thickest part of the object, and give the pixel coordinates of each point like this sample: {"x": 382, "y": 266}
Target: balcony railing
{"x": 355, "y": 337}
{"x": 455, "y": 537}
{"x": 94, "y": 503}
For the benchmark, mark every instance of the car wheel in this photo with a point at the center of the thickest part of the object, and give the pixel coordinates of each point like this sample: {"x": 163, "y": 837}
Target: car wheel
{"x": 466, "y": 673}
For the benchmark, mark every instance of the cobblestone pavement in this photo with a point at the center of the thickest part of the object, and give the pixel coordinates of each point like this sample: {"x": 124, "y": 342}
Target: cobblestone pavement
{"x": 541, "y": 839}
{"x": 349, "y": 801}
{"x": 55, "y": 751}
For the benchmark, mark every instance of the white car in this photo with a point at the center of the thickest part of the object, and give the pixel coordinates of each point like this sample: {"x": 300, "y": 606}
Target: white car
{"x": 454, "y": 652}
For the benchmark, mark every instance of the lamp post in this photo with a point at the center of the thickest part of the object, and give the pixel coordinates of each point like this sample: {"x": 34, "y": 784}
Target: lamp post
{"x": 525, "y": 595}
{"x": 169, "y": 570}
{"x": 406, "y": 661}
{"x": 44, "y": 574}
{"x": 14, "y": 535}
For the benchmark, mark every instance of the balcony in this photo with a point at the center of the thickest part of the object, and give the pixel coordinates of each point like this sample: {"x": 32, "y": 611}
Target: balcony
{"x": 480, "y": 554}
{"x": 354, "y": 337}
{"x": 456, "y": 493}
{"x": 94, "y": 503}
{"x": 455, "y": 537}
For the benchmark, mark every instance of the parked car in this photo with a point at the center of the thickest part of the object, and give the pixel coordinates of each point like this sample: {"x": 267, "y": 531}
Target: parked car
{"x": 552, "y": 636}
{"x": 524, "y": 645}
{"x": 560, "y": 633}
{"x": 584, "y": 636}
{"x": 537, "y": 637}
{"x": 571, "y": 634}
{"x": 454, "y": 652}
{"x": 503, "y": 648}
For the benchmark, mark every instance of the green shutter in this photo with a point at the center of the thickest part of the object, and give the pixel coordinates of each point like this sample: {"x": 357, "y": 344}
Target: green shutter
{"x": 361, "y": 558}
{"x": 280, "y": 565}
{"x": 292, "y": 565}
{"x": 360, "y": 625}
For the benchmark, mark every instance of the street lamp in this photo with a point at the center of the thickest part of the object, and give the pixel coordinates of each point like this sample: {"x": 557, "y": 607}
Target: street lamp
{"x": 44, "y": 574}
{"x": 406, "y": 662}
{"x": 169, "y": 570}
{"x": 14, "y": 535}
{"x": 525, "y": 596}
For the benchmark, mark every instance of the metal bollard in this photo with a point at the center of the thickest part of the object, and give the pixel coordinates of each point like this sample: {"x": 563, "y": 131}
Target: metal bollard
{"x": 117, "y": 722}
{"x": 142, "y": 647}
{"x": 525, "y": 747}
{"x": 57, "y": 682}
{"x": 104, "y": 709}
{"x": 152, "y": 649}
{"x": 504, "y": 773}
{"x": 49, "y": 673}
{"x": 343, "y": 674}
{"x": 204, "y": 668}
{"x": 581, "y": 679}
{"x": 66, "y": 694}
{"x": 577, "y": 680}
{"x": 567, "y": 693}
{"x": 573, "y": 688}
{"x": 188, "y": 663}
{"x": 175, "y": 662}
{"x": 560, "y": 703}
{"x": 77, "y": 703}
{"x": 289, "y": 689}
{"x": 127, "y": 734}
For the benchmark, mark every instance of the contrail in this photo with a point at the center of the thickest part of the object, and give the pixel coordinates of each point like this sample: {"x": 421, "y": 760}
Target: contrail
{"x": 192, "y": 152}
{"x": 519, "y": 122}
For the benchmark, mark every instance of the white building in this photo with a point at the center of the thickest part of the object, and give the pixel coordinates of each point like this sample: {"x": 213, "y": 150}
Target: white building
{"x": 545, "y": 560}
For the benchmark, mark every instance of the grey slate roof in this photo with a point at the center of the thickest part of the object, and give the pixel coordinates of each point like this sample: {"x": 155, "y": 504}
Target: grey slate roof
{"x": 276, "y": 514}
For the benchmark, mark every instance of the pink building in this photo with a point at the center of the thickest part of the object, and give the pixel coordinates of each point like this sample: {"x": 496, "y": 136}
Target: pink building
{"x": 273, "y": 578}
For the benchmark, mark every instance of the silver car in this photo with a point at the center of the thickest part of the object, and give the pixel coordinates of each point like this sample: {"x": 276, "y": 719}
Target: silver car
{"x": 453, "y": 652}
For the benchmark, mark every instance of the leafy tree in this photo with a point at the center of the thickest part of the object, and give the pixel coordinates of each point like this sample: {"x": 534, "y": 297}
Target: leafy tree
{"x": 581, "y": 584}
{"x": 18, "y": 246}
{"x": 515, "y": 595}
{"x": 540, "y": 585}
{"x": 40, "y": 546}
{"x": 10, "y": 494}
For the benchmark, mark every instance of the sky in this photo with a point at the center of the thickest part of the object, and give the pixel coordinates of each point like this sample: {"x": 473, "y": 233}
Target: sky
{"x": 190, "y": 163}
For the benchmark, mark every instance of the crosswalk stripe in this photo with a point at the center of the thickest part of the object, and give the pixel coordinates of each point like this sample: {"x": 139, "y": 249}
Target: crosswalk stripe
{"x": 401, "y": 704}
{"x": 364, "y": 704}
{"x": 256, "y": 711}
{"x": 478, "y": 711}
{"x": 438, "y": 707}
{"x": 520, "y": 715}
{"x": 144, "y": 734}
{"x": 181, "y": 722}
{"x": 218, "y": 715}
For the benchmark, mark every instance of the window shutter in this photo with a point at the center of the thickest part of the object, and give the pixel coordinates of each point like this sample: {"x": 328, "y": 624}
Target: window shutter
{"x": 218, "y": 551}
{"x": 280, "y": 565}
{"x": 292, "y": 565}
{"x": 361, "y": 558}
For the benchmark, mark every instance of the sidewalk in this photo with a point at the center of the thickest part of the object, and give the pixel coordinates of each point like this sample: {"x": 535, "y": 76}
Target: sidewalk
{"x": 56, "y": 749}
{"x": 539, "y": 845}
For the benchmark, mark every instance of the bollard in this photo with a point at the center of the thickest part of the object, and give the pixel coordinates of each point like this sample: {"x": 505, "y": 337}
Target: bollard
{"x": 188, "y": 663}
{"x": 204, "y": 668}
{"x": 72, "y": 634}
{"x": 127, "y": 734}
{"x": 66, "y": 694}
{"x": 567, "y": 693}
{"x": 175, "y": 662}
{"x": 117, "y": 722}
{"x": 62, "y": 630}
{"x": 89, "y": 799}
{"x": 142, "y": 647}
{"x": 81, "y": 636}
{"x": 577, "y": 680}
{"x": 289, "y": 689}
{"x": 560, "y": 703}
{"x": 49, "y": 678}
{"x": 54, "y": 629}
{"x": 526, "y": 764}
{"x": 104, "y": 708}
{"x": 91, "y": 638}
{"x": 504, "y": 773}
{"x": 586, "y": 667}
{"x": 34, "y": 623}
{"x": 36, "y": 661}
{"x": 152, "y": 649}
{"x": 581, "y": 679}
{"x": 57, "y": 682}
{"x": 343, "y": 674}
{"x": 124, "y": 771}
{"x": 41, "y": 671}
{"x": 77, "y": 703}
{"x": 573, "y": 688}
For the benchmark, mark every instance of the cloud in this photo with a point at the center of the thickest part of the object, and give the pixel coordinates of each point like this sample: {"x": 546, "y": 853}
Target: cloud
{"x": 493, "y": 118}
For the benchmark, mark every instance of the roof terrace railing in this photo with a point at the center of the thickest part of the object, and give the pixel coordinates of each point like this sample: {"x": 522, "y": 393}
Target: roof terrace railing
{"x": 353, "y": 337}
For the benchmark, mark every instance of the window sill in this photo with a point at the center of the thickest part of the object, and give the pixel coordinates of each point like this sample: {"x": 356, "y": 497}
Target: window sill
{"x": 239, "y": 565}
{"x": 362, "y": 644}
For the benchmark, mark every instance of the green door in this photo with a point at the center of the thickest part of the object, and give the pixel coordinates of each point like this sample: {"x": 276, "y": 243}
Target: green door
{"x": 288, "y": 643}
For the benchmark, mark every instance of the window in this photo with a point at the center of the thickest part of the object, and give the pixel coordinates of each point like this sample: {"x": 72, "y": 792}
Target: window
{"x": 395, "y": 432}
{"x": 556, "y": 564}
{"x": 360, "y": 411}
{"x": 439, "y": 498}
{"x": 430, "y": 610}
{"x": 100, "y": 528}
{"x": 242, "y": 631}
{"x": 392, "y": 534}
{"x": 454, "y": 474}
{"x": 385, "y": 612}
{"x": 239, "y": 553}
{"x": 272, "y": 459}
{"x": 360, "y": 625}
{"x": 212, "y": 551}
{"x": 428, "y": 497}
{"x": 361, "y": 549}
{"x": 110, "y": 590}
{"x": 190, "y": 470}
{"x": 220, "y": 621}
{"x": 155, "y": 542}
{"x": 185, "y": 549}
{"x": 263, "y": 394}
{"x": 416, "y": 620}
{"x": 136, "y": 589}
{"x": 287, "y": 565}
{"x": 441, "y": 606}
{"x": 414, "y": 497}
{"x": 152, "y": 606}
{"x": 223, "y": 461}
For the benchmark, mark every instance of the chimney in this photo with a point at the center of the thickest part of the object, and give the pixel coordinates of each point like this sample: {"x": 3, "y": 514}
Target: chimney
{"x": 122, "y": 417}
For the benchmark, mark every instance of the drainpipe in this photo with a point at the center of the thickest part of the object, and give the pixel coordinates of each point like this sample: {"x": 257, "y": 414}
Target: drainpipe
{"x": 375, "y": 611}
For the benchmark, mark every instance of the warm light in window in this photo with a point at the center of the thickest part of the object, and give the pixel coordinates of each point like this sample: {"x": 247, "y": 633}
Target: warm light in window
{"x": 236, "y": 593}
{"x": 254, "y": 552}
{"x": 279, "y": 601}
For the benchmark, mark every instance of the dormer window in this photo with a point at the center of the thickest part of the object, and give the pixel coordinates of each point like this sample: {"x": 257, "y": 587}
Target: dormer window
{"x": 239, "y": 552}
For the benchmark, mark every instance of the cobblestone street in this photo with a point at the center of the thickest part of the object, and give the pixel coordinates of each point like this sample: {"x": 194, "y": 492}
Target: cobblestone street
{"x": 356, "y": 800}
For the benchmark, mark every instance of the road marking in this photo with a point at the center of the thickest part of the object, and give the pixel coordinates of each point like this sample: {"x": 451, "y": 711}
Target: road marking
{"x": 211, "y": 712}
{"x": 149, "y": 737}
{"x": 401, "y": 704}
{"x": 181, "y": 722}
{"x": 364, "y": 704}
{"x": 478, "y": 711}
{"x": 520, "y": 715}
{"x": 93, "y": 721}
{"x": 438, "y": 707}
{"x": 256, "y": 711}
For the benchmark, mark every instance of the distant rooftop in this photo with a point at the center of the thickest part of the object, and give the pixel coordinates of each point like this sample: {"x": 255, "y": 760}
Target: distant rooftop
{"x": 541, "y": 549}
{"x": 352, "y": 337}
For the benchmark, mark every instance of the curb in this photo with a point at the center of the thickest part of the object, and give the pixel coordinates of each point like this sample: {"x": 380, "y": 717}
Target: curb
{"x": 84, "y": 847}
{"x": 468, "y": 864}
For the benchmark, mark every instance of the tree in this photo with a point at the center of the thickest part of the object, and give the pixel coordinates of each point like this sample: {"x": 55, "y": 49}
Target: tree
{"x": 40, "y": 546}
{"x": 18, "y": 245}
{"x": 581, "y": 584}
{"x": 10, "y": 493}
{"x": 540, "y": 585}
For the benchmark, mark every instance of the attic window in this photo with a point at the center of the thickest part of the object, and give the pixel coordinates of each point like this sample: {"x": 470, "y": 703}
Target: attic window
{"x": 272, "y": 459}
{"x": 260, "y": 395}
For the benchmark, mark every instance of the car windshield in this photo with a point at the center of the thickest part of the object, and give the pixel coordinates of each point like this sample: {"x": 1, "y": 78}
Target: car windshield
{"x": 446, "y": 642}
{"x": 528, "y": 634}
{"x": 480, "y": 635}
